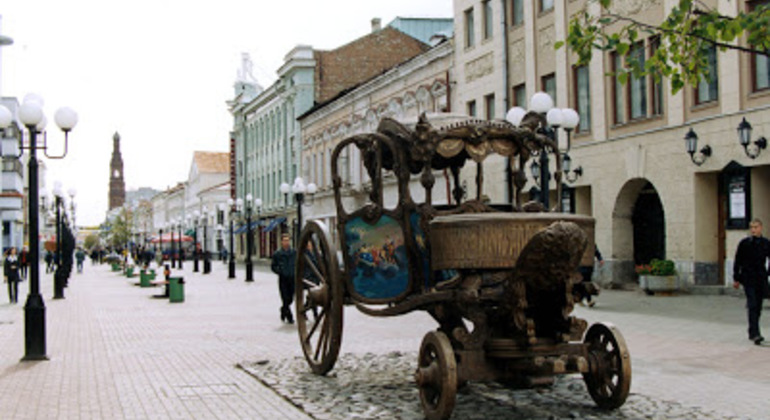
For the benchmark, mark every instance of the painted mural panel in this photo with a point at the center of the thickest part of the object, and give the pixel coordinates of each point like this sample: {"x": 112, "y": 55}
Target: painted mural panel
{"x": 377, "y": 258}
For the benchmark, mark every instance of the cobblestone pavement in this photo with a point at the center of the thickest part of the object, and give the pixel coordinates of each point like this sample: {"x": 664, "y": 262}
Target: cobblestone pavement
{"x": 118, "y": 353}
{"x": 373, "y": 386}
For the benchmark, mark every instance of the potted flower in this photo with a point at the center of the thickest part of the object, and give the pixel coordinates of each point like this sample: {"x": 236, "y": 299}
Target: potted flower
{"x": 658, "y": 276}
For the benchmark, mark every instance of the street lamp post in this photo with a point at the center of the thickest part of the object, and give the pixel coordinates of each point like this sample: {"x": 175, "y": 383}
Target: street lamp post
{"x": 249, "y": 238}
{"x": 31, "y": 115}
{"x": 301, "y": 192}
{"x": 219, "y": 241}
{"x": 206, "y": 257}
{"x": 550, "y": 120}
{"x": 172, "y": 254}
{"x": 196, "y": 216}
{"x": 181, "y": 253}
{"x": 231, "y": 262}
{"x": 58, "y": 274}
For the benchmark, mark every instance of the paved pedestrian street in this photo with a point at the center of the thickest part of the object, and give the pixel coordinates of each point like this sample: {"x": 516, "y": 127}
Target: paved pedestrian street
{"x": 116, "y": 352}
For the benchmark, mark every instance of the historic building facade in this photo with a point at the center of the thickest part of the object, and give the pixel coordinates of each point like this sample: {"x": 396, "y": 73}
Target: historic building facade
{"x": 649, "y": 199}
{"x": 420, "y": 85}
{"x": 265, "y": 128}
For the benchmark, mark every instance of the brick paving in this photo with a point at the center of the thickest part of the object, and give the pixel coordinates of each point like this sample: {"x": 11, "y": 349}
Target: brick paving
{"x": 118, "y": 353}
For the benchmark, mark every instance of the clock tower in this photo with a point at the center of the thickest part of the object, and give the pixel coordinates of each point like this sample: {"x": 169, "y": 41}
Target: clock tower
{"x": 117, "y": 185}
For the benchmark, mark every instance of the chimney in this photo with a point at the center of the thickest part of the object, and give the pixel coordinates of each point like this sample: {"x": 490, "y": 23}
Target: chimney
{"x": 376, "y": 24}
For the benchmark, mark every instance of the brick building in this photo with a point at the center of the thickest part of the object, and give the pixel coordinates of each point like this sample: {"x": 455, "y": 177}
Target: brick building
{"x": 266, "y": 132}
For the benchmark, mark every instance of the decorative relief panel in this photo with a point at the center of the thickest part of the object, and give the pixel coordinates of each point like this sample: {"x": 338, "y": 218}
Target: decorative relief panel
{"x": 545, "y": 40}
{"x": 517, "y": 55}
{"x": 633, "y": 7}
{"x": 479, "y": 67}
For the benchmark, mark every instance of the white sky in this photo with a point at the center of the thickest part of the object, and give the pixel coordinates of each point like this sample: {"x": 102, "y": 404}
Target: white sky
{"x": 159, "y": 73}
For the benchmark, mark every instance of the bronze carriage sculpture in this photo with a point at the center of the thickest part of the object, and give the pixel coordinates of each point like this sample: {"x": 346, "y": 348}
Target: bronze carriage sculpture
{"x": 496, "y": 278}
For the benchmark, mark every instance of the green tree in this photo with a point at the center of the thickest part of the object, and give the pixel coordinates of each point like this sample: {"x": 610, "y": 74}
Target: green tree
{"x": 120, "y": 228}
{"x": 91, "y": 241}
{"x": 687, "y": 34}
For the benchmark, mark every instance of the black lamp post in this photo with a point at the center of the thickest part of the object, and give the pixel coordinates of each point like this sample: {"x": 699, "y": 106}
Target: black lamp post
{"x": 58, "y": 274}
{"x": 301, "y": 191}
{"x": 206, "y": 257}
{"x": 160, "y": 243}
{"x": 31, "y": 115}
{"x": 172, "y": 255}
{"x": 551, "y": 119}
{"x": 179, "y": 239}
{"x": 196, "y": 216}
{"x": 231, "y": 262}
{"x": 249, "y": 237}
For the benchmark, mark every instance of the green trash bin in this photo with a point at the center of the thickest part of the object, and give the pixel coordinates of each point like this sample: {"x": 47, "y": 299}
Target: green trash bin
{"x": 130, "y": 271}
{"x": 144, "y": 278}
{"x": 115, "y": 267}
{"x": 176, "y": 289}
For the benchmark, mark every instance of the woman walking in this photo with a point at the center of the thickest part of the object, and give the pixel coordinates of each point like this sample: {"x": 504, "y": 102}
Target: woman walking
{"x": 11, "y": 274}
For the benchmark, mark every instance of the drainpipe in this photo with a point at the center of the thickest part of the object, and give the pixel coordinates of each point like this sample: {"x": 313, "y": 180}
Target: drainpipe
{"x": 504, "y": 32}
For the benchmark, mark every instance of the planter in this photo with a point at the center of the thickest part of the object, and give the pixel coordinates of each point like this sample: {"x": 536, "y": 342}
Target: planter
{"x": 652, "y": 284}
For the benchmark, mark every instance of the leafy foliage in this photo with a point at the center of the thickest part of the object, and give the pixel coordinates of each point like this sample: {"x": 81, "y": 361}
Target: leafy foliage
{"x": 657, "y": 267}
{"x": 120, "y": 228}
{"x": 686, "y": 35}
{"x": 91, "y": 241}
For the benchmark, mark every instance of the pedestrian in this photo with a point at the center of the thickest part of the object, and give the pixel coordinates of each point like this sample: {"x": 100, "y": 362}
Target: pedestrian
{"x": 750, "y": 271}
{"x": 48, "y": 261}
{"x": 24, "y": 262}
{"x": 11, "y": 274}
{"x": 585, "y": 290}
{"x": 80, "y": 256}
{"x": 283, "y": 265}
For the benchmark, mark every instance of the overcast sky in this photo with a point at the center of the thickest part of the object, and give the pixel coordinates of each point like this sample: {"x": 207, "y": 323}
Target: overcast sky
{"x": 159, "y": 73}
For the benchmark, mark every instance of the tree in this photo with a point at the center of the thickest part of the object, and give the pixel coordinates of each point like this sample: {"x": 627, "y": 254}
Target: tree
{"x": 686, "y": 36}
{"x": 120, "y": 228}
{"x": 91, "y": 241}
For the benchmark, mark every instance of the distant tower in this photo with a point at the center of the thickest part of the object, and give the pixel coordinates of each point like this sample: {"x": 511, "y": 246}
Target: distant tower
{"x": 117, "y": 186}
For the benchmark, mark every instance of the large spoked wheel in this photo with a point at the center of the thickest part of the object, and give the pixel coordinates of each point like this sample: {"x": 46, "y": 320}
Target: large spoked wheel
{"x": 318, "y": 292}
{"x": 609, "y": 366}
{"x": 436, "y": 376}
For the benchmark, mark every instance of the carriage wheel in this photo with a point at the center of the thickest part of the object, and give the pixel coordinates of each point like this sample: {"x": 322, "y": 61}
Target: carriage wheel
{"x": 609, "y": 366}
{"x": 318, "y": 292}
{"x": 436, "y": 376}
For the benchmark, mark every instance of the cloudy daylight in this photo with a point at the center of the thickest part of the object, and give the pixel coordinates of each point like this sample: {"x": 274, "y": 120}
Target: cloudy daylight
{"x": 425, "y": 209}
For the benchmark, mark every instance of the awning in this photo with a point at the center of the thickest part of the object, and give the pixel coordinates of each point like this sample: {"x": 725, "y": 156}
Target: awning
{"x": 275, "y": 222}
{"x": 242, "y": 228}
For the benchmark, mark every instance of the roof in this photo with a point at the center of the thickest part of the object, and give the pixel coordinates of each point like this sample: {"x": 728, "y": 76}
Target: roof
{"x": 424, "y": 28}
{"x": 212, "y": 162}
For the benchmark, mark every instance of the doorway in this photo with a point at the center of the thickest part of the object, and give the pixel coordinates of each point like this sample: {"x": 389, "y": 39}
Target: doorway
{"x": 649, "y": 225}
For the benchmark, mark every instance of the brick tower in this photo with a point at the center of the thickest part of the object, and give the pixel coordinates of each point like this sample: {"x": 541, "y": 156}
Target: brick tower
{"x": 117, "y": 185}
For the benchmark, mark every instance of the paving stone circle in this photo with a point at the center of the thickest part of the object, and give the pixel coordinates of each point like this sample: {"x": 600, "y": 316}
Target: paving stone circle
{"x": 374, "y": 386}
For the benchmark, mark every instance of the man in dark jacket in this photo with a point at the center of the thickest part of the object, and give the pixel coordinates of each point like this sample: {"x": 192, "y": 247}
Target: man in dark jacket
{"x": 750, "y": 271}
{"x": 283, "y": 265}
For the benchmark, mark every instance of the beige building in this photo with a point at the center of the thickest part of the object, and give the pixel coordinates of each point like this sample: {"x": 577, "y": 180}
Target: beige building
{"x": 649, "y": 199}
{"x": 419, "y": 85}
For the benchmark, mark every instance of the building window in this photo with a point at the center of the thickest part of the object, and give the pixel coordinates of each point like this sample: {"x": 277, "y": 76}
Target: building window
{"x": 489, "y": 105}
{"x": 617, "y": 89}
{"x": 708, "y": 87}
{"x": 583, "y": 97}
{"x": 488, "y": 19}
{"x": 520, "y": 95}
{"x": 760, "y": 64}
{"x": 471, "y": 108}
{"x": 637, "y": 86}
{"x": 517, "y": 12}
{"x": 548, "y": 83}
{"x": 470, "y": 39}
{"x": 657, "y": 82}
{"x": 546, "y": 5}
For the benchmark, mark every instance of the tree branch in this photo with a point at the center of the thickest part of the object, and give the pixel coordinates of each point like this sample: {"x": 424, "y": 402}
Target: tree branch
{"x": 694, "y": 35}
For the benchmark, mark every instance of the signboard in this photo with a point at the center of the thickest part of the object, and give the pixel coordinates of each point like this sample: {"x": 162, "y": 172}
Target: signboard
{"x": 737, "y": 185}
